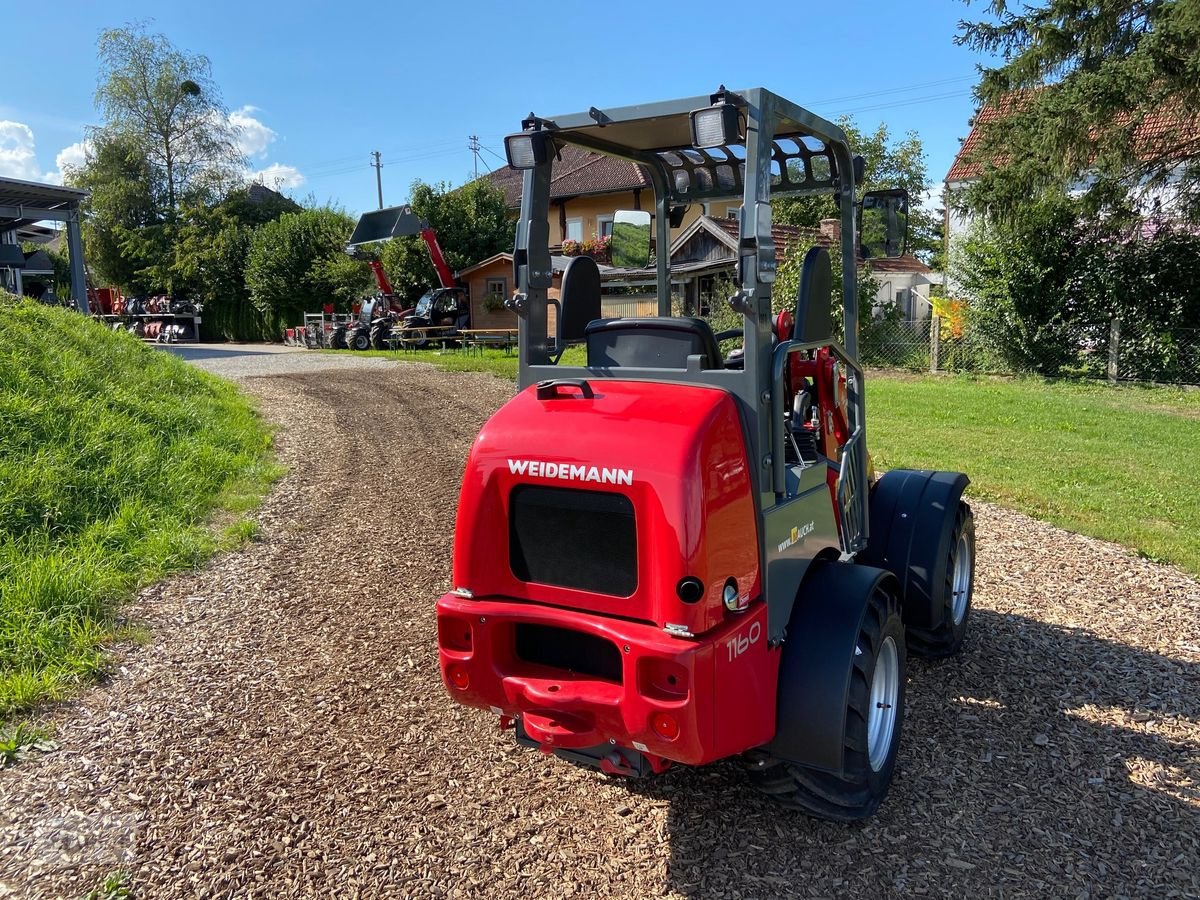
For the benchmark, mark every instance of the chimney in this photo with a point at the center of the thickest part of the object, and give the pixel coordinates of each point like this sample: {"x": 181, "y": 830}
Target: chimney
{"x": 831, "y": 229}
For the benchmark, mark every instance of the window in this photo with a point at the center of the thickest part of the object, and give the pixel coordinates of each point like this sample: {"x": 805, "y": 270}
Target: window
{"x": 604, "y": 226}
{"x": 574, "y": 230}
{"x": 496, "y": 286}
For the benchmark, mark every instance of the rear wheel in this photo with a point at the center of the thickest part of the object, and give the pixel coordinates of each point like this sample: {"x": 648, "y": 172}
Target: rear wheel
{"x": 379, "y": 336}
{"x": 947, "y": 638}
{"x": 360, "y": 339}
{"x": 871, "y": 738}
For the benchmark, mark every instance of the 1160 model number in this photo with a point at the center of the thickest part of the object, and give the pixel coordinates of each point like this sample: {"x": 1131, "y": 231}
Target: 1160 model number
{"x": 740, "y": 643}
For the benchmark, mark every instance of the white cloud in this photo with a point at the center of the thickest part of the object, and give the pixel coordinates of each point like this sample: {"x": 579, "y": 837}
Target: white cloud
{"x": 74, "y": 157}
{"x": 17, "y": 159}
{"x": 253, "y": 137}
{"x": 277, "y": 176}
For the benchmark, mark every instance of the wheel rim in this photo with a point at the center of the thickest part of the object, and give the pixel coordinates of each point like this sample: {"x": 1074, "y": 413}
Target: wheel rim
{"x": 885, "y": 693}
{"x": 960, "y": 585}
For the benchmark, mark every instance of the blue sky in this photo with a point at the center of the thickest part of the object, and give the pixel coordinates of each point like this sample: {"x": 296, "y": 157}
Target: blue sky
{"x": 317, "y": 86}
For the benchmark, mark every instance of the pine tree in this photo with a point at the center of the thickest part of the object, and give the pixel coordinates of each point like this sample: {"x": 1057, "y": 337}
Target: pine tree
{"x": 1101, "y": 94}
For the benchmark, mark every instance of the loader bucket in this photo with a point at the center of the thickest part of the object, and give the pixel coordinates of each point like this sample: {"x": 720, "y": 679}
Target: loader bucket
{"x": 385, "y": 224}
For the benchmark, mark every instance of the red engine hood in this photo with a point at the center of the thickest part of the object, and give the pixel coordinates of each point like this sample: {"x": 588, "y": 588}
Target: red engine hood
{"x": 676, "y": 451}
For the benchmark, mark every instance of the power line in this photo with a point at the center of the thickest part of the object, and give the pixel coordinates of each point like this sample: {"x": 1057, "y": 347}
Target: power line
{"x": 896, "y": 90}
{"x": 911, "y": 102}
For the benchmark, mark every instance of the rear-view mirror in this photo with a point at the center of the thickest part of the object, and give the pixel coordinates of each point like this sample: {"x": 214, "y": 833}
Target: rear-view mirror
{"x": 883, "y": 224}
{"x": 630, "y": 246}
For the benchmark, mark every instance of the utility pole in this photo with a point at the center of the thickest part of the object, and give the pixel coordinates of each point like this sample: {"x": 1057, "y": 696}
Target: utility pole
{"x": 473, "y": 146}
{"x": 378, "y": 176}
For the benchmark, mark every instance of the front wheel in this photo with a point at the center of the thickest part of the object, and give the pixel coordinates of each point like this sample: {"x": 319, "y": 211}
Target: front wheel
{"x": 360, "y": 340}
{"x": 871, "y": 735}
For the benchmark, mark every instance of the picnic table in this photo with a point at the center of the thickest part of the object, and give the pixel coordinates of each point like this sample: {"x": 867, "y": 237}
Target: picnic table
{"x": 476, "y": 339}
{"x": 414, "y": 339}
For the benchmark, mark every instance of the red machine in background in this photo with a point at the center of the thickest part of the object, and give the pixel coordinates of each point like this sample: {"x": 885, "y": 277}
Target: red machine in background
{"x": 446, "y": 305}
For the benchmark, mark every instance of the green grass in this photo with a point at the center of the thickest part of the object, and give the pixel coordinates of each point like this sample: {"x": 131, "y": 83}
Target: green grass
{"x": 113, "y": 457}
{"x": 497, "y": 362}
{"x": 1118, "y": 463}
{"x": 19, "y": 740}
{"x": 114, "y": 886}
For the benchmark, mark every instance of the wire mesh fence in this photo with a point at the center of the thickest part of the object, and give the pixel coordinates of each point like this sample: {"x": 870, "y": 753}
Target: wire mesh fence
{"x": 1109, "y": 350}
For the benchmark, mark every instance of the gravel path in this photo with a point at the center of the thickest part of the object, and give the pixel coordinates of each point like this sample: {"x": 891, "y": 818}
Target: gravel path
{"x": 285, "y": 733}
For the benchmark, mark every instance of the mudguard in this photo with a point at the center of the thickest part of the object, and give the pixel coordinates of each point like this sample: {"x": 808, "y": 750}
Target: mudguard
{"x": 912, "y": 520}
{"x": 818, "y": 655}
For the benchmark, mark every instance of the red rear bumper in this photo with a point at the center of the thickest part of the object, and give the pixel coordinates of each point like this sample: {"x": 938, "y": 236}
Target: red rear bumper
{"x": 684, "y": 699}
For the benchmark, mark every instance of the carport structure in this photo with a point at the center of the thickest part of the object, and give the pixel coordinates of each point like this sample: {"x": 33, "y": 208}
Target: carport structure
{"x": 22, "y": 203}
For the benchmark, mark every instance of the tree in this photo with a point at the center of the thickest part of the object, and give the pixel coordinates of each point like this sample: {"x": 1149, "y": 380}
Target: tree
{"x": 296, "y": 264}
{"x": 1019, "y": 273}
{"x": 472, "y": 223}
{"x": 210, "y": 253}
{"x": 1102, "y": 93}
{"x": 166, "y": 101}
{"x": 123, "y": 226}
{"x": 888, "y": 164}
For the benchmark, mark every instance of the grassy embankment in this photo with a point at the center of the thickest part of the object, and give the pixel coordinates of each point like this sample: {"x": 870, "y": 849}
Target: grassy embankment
{"x": 114, "y": 458}
{"x": 1118, "y": 463}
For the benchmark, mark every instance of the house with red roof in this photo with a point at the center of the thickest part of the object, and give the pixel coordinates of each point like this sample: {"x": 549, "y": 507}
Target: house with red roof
{"x": 586, "y": 189}
{"x": 1154, "y": 135}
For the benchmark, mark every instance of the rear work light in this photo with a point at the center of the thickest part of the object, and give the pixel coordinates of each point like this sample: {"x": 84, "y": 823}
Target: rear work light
{"x": 716, "y": 125}
{"x": 458, "y": 677}
{"x": 527, "y": 149}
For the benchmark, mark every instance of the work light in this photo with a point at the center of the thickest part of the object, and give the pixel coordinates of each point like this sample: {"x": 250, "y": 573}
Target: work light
{"x": 527, "y": 149}
{"x": 716, "y": 125}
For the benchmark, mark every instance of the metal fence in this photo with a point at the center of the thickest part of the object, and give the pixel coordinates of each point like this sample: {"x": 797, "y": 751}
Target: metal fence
{"x": 1108, "y": 350}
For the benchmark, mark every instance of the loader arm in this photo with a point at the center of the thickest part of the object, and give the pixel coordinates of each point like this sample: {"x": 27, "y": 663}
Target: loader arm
{"x": 380, "y": 276}
{"x": 445, "y": 276}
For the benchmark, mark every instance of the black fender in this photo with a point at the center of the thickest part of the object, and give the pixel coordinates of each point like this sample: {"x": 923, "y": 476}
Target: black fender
{"x": 818, "y": 655}
{"x": 912, "y": 520}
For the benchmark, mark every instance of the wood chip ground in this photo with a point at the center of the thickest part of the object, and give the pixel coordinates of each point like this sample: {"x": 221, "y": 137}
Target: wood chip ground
{"x": 284, "y": 732}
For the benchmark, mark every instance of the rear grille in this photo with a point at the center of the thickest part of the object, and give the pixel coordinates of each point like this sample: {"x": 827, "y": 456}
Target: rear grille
{"x": 570, "y": 538}
{"x": 574, "y": 651}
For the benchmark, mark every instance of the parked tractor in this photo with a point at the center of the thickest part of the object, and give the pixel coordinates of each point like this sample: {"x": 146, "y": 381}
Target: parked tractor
{"x": 664, "y": 556}
{"x": 445, "y": 306}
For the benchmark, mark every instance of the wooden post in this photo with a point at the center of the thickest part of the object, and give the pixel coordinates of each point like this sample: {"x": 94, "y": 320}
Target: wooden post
{"x": 1114, "y": 348}
{"x": 935, "y": 342}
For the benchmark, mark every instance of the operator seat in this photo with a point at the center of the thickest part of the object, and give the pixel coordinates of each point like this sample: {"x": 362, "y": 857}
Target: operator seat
{"x": 578, "y": 299}
{"x": 652, "y": 342}
{"x": 814, "y": 313}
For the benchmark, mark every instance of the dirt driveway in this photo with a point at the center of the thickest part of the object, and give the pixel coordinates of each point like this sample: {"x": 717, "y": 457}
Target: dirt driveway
{"x": 284, "y": 731}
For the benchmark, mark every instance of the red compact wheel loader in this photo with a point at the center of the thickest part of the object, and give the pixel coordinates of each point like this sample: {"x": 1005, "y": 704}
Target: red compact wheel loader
{"x": 666, "y": 557}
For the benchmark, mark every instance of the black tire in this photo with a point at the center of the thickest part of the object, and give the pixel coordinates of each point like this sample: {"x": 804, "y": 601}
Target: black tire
{"x": 857, "y": 791}
{"x": 359, "y": 339}
{"x": 379, "y": 335}
{"x": 337, "y": 339}
{"x": 947, "y": 639}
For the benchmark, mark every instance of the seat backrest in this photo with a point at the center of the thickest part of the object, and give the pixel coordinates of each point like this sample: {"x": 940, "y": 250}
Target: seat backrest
{"x": 653, "y": 342}
{"x": 578, "y": 298}
{"x": 814, "y": 313}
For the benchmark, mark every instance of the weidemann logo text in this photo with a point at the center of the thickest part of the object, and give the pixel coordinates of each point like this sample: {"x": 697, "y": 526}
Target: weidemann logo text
{"x": 568, "y": 472}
